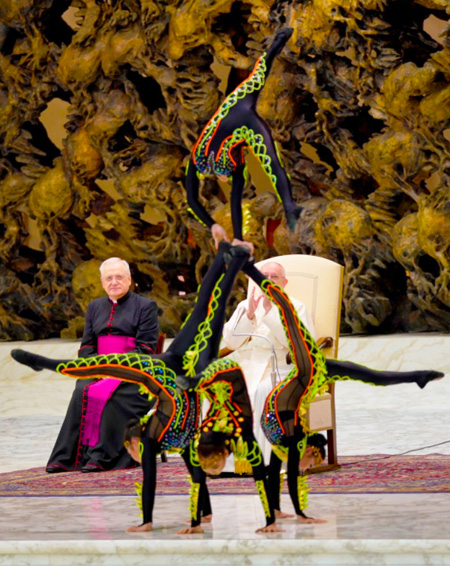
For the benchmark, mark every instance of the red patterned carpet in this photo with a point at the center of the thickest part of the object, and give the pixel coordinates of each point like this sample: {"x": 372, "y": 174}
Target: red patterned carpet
{"x": 358, "y": 474}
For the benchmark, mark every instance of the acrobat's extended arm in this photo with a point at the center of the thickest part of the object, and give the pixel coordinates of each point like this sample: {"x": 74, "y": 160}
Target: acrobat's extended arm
{"x": 296, "y": 490}
{"x": 255, "y": 458}
{"x": 149, "y": 450}
{"x": 193, "y": 195}
{"x": 200, "y": 505}
{"x": 291, "y": 449}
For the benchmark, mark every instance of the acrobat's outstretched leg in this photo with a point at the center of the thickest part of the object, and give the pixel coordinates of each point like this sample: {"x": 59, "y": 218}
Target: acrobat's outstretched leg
{"x": 249, "y": 90}
{"x": 281, "y": 38}
{"x": 244, "y": 118}
{"x": 35, "y": 361}
{"x": 341, "y": 370}
{"x": 198, "y": 341}
{"x": 306, "y": 353}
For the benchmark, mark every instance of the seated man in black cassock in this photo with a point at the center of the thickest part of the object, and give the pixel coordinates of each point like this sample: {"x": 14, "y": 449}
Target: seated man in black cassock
{"x": 91, "y": 437}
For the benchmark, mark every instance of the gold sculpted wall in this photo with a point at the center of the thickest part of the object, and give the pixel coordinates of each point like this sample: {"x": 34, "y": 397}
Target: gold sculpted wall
{"x": 102, "y": 100}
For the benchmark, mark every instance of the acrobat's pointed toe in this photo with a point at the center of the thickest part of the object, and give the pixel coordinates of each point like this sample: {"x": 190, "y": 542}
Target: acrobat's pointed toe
{"x": 26, "y": 358}
{"x": 428, "y": 376}
{"x": 281, "y": 38}
{"x": 292, "y": 217}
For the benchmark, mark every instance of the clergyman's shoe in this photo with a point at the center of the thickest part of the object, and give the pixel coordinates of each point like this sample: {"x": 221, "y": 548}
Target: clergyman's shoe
{"x": 87, "y": 469}
{"x": 54, "y": 470}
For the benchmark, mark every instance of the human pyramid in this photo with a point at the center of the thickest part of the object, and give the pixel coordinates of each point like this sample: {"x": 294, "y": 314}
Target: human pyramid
{"x": 190, "y": 369}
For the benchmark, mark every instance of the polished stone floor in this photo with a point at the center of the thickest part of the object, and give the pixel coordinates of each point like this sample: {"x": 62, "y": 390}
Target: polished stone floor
{"x": 360, "y": 529}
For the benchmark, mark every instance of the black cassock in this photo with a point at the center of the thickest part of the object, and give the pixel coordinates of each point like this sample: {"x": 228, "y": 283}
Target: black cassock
{"x": 91, "y": 437}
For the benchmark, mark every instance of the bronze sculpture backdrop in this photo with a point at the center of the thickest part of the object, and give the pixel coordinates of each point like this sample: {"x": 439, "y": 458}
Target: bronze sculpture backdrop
{"x": 359, "y": 102}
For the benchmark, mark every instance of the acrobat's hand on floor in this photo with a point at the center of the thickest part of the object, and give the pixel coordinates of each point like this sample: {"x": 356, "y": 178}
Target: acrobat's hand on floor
{"x": 273, "y": 528}
{"x": 309, "y": 520}
{"x": 144, "y": 528}
{"x": 190, "y": 530}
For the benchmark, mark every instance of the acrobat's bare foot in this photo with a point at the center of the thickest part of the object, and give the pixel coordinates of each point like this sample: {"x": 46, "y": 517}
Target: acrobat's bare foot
{"x": 427, "y": 376}
{"x": 144, "y": 528}
{"x": 190, "y": 530}
{"x": 273, "y": 528}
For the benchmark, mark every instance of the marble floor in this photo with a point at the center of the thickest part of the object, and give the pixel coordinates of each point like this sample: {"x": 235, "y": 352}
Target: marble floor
{"x": 391, "y": 529}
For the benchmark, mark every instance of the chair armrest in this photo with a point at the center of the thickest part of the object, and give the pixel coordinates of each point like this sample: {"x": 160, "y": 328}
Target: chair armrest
{"x": 224, "y": 352}
{"x": 325, "y": 342}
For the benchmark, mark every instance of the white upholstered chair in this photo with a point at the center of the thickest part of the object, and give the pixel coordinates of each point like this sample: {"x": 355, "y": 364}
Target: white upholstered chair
{"x": 317, "y": 282}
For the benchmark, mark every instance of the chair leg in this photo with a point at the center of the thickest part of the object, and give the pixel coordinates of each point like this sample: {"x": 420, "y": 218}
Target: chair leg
{"x": 332, "y": 455}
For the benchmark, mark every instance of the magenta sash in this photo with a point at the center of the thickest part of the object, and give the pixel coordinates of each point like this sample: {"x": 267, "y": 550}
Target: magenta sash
{"x": 100, "y": 392}
{"x": 110, "y": 344}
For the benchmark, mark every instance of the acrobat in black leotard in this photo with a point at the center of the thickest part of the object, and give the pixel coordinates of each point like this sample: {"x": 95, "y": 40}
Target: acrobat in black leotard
{"x": 176, "y": 418}
{"x": 281, "y": 420}
{"x": 229, "y": 422}
{"x": 236, "y": 125}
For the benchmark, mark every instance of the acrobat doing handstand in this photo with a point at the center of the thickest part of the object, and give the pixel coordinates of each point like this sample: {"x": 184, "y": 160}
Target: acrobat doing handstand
{"x": 176, "y": 418}
{"x": 282, "y": 419}
{"x": 219, "y": 151}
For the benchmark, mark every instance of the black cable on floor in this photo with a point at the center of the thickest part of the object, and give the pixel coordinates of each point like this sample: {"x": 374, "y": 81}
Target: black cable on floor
{"x": 399, "y": 454}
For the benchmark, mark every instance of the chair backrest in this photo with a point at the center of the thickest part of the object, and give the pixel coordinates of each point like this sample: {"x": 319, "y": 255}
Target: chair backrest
{"x": 317, "y": 282}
